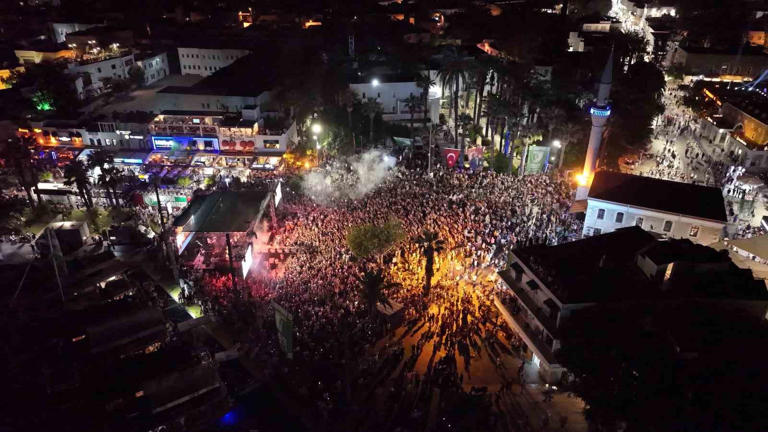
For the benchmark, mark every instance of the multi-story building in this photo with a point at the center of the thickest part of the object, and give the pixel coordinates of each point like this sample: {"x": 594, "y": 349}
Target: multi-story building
{"x": 545, "y": 286}
{"x": 44, "y": 52}
{"x": 206, "y": 61}
{"x": 155, "y": 66}
{"x": 96, "y": 70}
{"x": 740, "y": 129}
{"x": 667, "y": 208}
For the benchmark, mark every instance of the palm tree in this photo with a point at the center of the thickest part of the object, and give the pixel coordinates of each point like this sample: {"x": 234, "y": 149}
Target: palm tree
{"x": 413, "y": 103}
{"x": 77, "y": 174}
{"x": 103, "y": 159}
{"x": 114, "y": 179}
{"x": 371, "y": 289}
{"x": 371, "y": 107}
{"x": 454, "y": 72}
{"x": 430, "y": 244}
{"x": 425, "y": 82}
{"x": 17, "y": 152}
{"x": 480, "y": 76}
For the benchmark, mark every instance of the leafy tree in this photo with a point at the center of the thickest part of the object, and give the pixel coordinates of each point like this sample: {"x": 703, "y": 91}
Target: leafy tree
{"x": 371, "y": 288}
{"x": 626, "y": 366}
{"x": 12, "y": 211}
{"x": 53, "y": 88}
{"x": 46, "y": 176}
{"x": 370, "y": 240}
{"x": 17, "y": 151}
{"x": 136, "y": 75}
{"x": 430, "y": 244}
{"x": 184, "y": 182}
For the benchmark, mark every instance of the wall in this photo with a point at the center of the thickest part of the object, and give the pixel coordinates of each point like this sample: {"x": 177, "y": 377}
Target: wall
{"x": 204, "y": 61}
{"x": 708, "y": 232}
{"x": 391, "y": 96}
{"x": 32, "y": 56}
{"x": 111, "y": 68}
{"x": 754, "y": 130}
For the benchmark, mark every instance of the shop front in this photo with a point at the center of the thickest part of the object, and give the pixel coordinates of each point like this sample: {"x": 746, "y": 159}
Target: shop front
{"x": 186, "y": 143}
{"x": 267, "y": 161}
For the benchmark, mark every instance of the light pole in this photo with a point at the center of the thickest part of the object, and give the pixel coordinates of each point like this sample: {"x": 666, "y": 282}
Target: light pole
{"x": 429, "y": 150}
{"x": 316, "y": 129}
{"x": 556, "y": 144}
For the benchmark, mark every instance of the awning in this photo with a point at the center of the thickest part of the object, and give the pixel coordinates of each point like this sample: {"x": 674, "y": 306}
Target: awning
{"x": 83, "y": 156}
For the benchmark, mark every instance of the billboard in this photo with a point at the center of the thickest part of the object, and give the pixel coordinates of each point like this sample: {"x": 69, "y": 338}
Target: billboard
{"x": 189, "y": 143}
{"x": 284, "y": 323}
{"x": 537, "y": 159}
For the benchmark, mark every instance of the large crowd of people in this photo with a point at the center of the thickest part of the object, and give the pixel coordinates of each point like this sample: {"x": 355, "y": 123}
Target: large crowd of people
{"x": 479, "y": 216}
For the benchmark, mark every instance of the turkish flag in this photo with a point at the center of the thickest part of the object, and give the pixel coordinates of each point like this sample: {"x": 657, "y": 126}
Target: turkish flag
{"x": 451, "y": 156}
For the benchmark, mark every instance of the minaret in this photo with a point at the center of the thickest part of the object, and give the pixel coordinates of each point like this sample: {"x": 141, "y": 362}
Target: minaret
{"x": 599, "y": 113}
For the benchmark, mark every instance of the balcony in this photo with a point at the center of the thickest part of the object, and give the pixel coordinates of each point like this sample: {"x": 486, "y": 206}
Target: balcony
{"x": 521, "y": 293}
{"x": 183, "y": 128}
{"x": 520, "y": 322}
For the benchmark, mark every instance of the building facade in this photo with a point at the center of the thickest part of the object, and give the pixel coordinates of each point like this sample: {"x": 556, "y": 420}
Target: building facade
{"x": 155, "y": 67}
{"x": 206, "y": 61}
{"x": 97, "y": 71}
{"x": 666, "y": 208}
{"x": 393, "y": 96}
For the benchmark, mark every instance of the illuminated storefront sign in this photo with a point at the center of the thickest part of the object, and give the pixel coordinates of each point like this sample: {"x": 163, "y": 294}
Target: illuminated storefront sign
{"x": 129, "y": 160}
{"x": 185, "y": 143}
{"x": 600, "y": 112}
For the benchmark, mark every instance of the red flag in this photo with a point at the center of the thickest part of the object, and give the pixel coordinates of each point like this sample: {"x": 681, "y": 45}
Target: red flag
{"x": 451, "y": 156}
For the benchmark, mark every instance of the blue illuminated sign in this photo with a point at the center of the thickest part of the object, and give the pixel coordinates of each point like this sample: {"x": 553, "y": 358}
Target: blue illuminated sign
{"x": 600, "y": 112}
{"x": 189, "y": 143}
{"x": 129, "y": 161}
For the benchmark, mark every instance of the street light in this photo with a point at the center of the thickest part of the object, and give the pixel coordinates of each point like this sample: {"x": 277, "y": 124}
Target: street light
{"x": 556, "y": 144}
{"x": 375, "y": 82}
{"x": 316, "y": 129}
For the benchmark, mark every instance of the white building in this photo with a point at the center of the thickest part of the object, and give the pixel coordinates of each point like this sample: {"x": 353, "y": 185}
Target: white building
{"x": 392, "y": 92}
{"x": 206, "y": 61}
{"x": 155, "y": 66}
{"x": 97, "y": 71}
{"x": 666, "y": 208}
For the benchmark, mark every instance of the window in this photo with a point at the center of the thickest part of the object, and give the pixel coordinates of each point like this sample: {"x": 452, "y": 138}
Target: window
{"x": 98, "y": 69}
{"x": 596, "y": 231}
{"x": 363, "y": 95}
{"x": 272, "y": 144}
{"x": 91, "y": 141}
{"x": 98, "y": 141}
{"x": 694, "y": 231}
{"x": 667, "y": 226}
{"x": 639, "y": 221}
{"x": 600, "y": 214}
{"x": 619, "y": 217}
{"x": 114, "y": 66}
{"x": 378, "y": 95}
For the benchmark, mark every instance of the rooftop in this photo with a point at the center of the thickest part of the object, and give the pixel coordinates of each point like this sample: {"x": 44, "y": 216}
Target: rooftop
{"x": 250, "y": 75}
{"x": 228, "y": 211}
{"x": 604, "y": 269}
{"x": 686, "y": 199}
{"x": 575, "y": 272}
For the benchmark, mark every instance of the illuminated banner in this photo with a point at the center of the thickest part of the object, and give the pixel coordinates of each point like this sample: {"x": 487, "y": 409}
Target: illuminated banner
{"x": 537, "y": 160}
{"x": 247, "y": 261}
{"x": 185, "y": 143}
{"x": 278, "y": 193}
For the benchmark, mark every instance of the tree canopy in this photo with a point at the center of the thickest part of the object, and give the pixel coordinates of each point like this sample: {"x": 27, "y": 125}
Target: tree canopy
{"x": 644, "y": 368}
{"x": 370, "y": 240}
